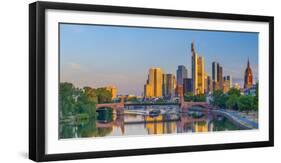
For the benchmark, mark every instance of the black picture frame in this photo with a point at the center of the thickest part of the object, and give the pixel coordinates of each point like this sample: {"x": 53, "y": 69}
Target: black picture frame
{"x": 37, "y": 79}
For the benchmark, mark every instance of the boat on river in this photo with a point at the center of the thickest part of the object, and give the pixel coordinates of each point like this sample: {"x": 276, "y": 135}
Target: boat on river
{"x": 154, "y": 113}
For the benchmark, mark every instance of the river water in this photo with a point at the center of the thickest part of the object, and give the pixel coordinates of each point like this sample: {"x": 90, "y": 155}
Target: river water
{"x": 169, "y": 121}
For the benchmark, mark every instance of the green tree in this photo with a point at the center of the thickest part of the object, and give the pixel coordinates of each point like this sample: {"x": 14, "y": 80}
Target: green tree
{"x": 75, "y": 103}
{"x": 219, "y": 99}
{"x": 256, "y": 98}
{"x": 196, "y": 98}
{"x": 67, "y": 99}
{"x": 232, "y": 102}
{"x": 87, "y": 101}
{"x": 234, "y": 91}
{"x": 245, "y": 103}
{"x": 91, "y": 94}
{"x": 133, "y": 99}
{"x": 199, "y": 98}
{"x": 188, "y": 97}
{"x": 103, "y": 95}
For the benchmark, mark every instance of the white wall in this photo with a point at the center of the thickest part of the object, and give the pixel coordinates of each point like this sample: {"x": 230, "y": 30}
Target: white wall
{"x": 14, "y": 78}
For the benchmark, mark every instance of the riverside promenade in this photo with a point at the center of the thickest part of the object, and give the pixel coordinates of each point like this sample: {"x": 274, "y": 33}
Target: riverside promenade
{"x": 236, "y": 118}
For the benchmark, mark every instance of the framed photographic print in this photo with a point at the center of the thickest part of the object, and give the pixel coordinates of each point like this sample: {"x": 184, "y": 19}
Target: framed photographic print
{"x": 111, "y": 81}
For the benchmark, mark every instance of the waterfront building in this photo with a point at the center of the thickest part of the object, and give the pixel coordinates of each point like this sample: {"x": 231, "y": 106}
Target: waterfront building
{"x": 179, "y": 91}
{"x": 181, "y": 74}
{"x": 209, "y": 84}
{"x": 112, "y": 90}
{"x": 248, "y": 79}
{"x": 148, "y": 90}
{"x": 220, "y": 77}
{"x": 217, "y": 76}
{"x": 187, "y": 85}
{"x": 214, "y": 71}
{"x": 154, "y": 84}
{"x": 169, "y": 85}
{"x": 227, "y": 83}
{"x": 250, "y": 91}
{"x": 198, "y": 72}
{"x": 206, "y": 82}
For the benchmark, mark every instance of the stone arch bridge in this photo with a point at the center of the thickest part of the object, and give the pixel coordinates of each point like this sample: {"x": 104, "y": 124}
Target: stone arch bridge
{"x": 184, "y": 106}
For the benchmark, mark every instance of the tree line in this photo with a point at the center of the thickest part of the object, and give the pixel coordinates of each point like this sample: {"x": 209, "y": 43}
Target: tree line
{"x": 80, "y": 103}
{"x": 233, "y": 99}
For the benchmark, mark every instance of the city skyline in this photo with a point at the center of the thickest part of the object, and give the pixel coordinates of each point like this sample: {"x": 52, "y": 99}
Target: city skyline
{"x": 98, "y": 56}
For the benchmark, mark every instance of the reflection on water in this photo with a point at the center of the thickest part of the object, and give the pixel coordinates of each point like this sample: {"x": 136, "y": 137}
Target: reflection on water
{"x": 107, "y": 123}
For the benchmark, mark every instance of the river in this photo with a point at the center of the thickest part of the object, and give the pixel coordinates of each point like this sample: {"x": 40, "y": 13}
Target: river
{"x": 134, "y": 121}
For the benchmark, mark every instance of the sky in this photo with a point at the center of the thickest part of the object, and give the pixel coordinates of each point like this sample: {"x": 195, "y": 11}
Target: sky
{"x": 98, "y": 56}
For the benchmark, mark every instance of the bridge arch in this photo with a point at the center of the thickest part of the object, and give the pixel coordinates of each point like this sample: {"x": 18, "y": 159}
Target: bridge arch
{"x": 185, "y": 105}
{"x": 118, "y": 107}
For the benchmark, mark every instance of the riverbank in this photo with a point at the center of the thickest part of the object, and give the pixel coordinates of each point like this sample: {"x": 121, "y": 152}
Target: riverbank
{"x": 239, "y": 118}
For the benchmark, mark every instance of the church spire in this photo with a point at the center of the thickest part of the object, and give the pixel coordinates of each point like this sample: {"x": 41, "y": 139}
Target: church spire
{"x": 248, "y": 80}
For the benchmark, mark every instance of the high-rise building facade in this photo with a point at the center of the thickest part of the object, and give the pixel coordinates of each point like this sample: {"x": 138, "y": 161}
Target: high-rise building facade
{"x": 148, "y": 90}
{"x": 227, "y": 83}
{"x": 214, "y": 71}
{"x": 220, "y": 77}
{"x": 217, "y": 76}
{"x": 153, "y": 86}
{"x": 198, "y": 72}
{"x": 209, "y": 84}
{"x": 181, "y": 74}
{"x": 187, "y": 85}
{"x": 248, "y": 79}
{"x": 206, "y": 82}
{"x": 168, "y": 85}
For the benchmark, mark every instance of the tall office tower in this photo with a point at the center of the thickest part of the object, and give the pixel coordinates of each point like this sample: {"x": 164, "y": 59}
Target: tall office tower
{"x": 214, "y": 71}
{"x": 227, "y": 83}
{"x": 187, "y": 85}
{"x": 168, "y": 85}
{"x": 220, "y": 73}
{"x": 198, "y": 72}
{"x": 248, "y": 79}
{"x": 148, "y": 90}
{"x": 209, "y": 84}
{"x": 215, "y": 75}
{"x": 206, "y": 82}
{"x": 181, "y": 74}
{"x": 229, "y": 78}
{"x": 153, "y": 86}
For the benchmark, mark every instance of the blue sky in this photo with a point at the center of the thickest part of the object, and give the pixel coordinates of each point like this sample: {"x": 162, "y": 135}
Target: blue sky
{"x": 98, "y": 56}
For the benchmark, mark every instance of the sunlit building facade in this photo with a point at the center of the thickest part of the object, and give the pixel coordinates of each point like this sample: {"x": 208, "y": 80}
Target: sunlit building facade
{"x": 198, "y": 72}
{"x": 169, "y": 85}
{"x": 217, "y": 76}
{"x": 112, "y": 90}
{"x": 154, "y": 84}
{"x": 227, "y": 83}
{"x": 209, "y": 84}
